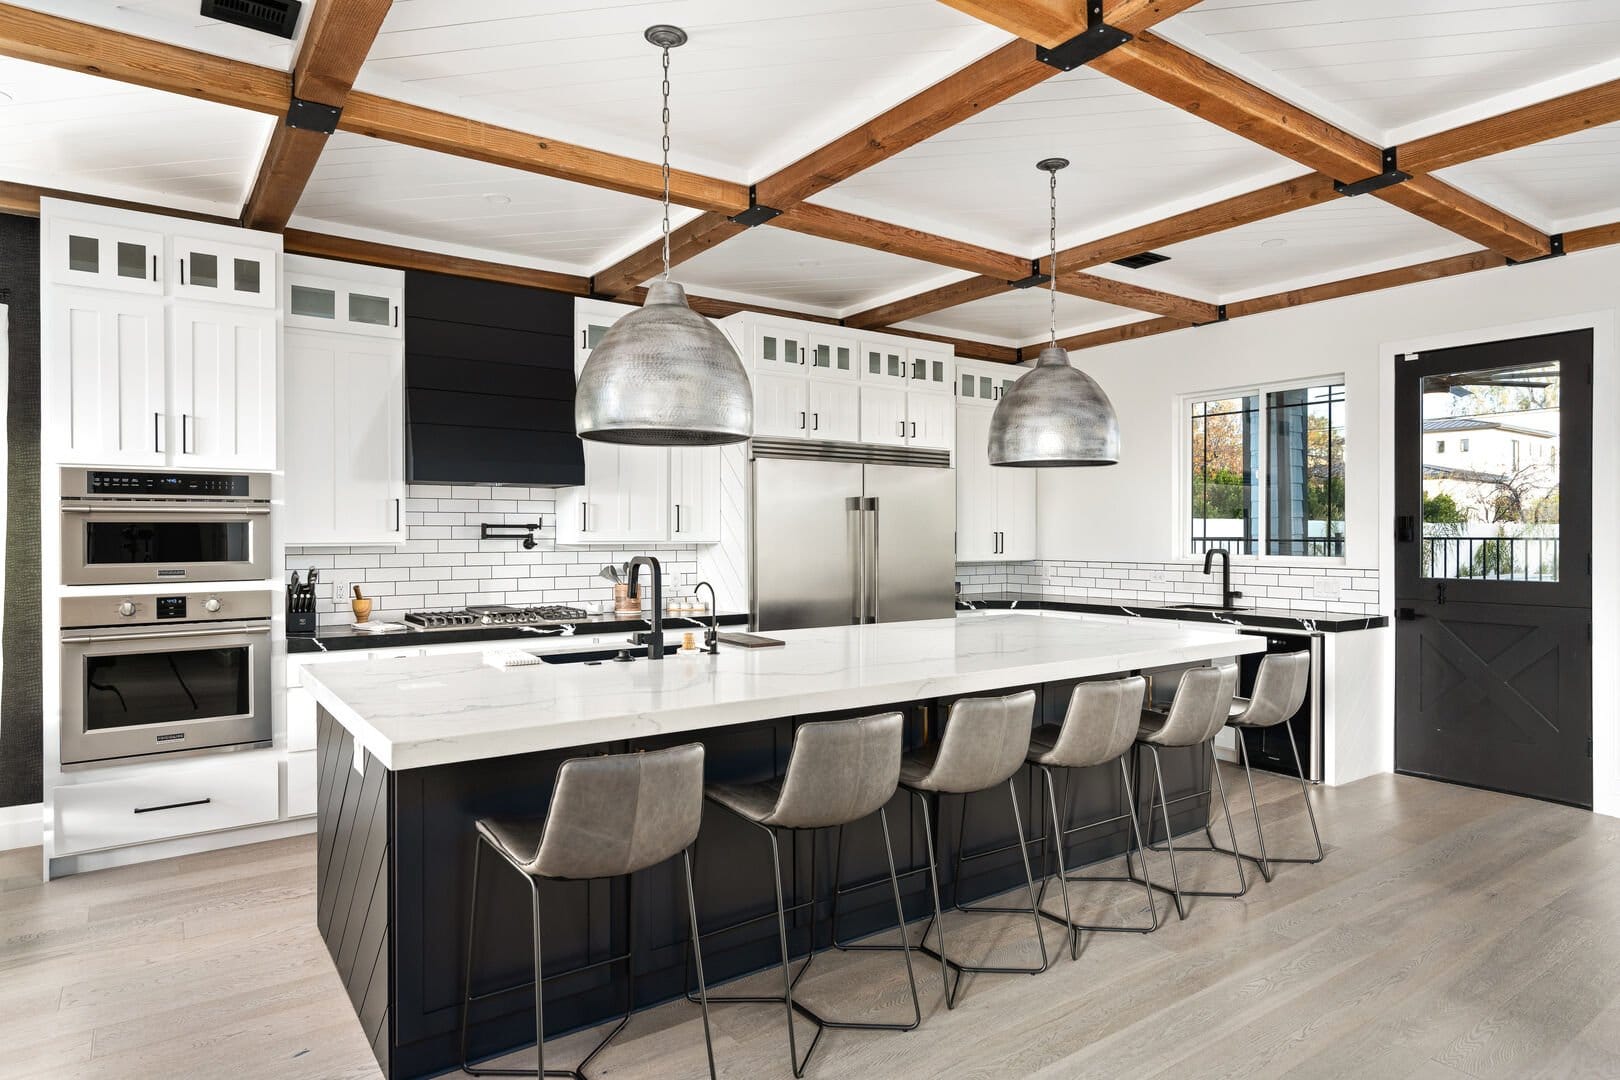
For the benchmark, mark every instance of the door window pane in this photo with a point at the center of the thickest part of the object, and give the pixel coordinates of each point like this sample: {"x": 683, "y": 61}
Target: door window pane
{"x": 790, "y": 350}
{"x": 985, "y": 387}
{"x": 594, "y": 334}
{"x": 314, "y": 303}
{"x": 1305, "y": 472}
{"x": 822, "y": 358}
{"x": 131, "y": 260}
{"x": 1490, "y": 502}
{"x": 768, "y": 348}
{"x": 843, "y": 358}
{"x": 247, "y": 275}
{"x": 967, "y": 384}
{"x": 874, "y": 363}
{"x": 1225, "y": 463}
{"x": 371, "y": 310}
{"x": 84, "y": 254}
{"x": 939, "y": 371}
{"x": 204, "y": 270}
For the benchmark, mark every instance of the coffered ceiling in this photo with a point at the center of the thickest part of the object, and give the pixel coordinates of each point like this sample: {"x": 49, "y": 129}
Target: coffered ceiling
{"x": 897, "y": 137}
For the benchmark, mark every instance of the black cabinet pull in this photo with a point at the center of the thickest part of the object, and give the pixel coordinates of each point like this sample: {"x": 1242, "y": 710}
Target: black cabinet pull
{"x": 914, "y": 429}
{"x": 182, "y": 271}
{"x": 171, "y": 806}
{"x": 154, "y": 268}
{"x": 801, "y": 421}
{"x": 815, "y": 421}
{"x": 396, "y": 314}
{"x": 396, "y": 515}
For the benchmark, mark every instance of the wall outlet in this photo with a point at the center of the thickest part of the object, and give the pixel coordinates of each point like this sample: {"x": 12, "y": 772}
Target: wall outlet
{"x": 340, "y": 589}
{"x": 1326, "y": 588}
{"x": 1157, "y": 575}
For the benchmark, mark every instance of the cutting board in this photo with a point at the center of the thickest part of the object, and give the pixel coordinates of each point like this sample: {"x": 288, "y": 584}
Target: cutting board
{"x": 750, "y": 641}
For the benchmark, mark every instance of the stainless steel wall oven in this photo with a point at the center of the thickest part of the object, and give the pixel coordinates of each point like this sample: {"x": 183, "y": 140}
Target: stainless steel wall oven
{"x": 155, "y": 674}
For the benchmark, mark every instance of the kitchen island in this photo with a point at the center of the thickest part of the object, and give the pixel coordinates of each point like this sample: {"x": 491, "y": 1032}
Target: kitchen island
{"x": 412, "y": 751}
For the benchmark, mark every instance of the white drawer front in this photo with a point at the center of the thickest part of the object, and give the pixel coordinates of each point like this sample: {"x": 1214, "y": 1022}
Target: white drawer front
{"x": 301, "y": 784}
{"x": 300, "y": 719}
{"x": 178, "y": 799}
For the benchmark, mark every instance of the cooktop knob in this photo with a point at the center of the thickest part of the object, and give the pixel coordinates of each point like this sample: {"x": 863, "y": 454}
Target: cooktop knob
{"x": 211, "y": 604}
{"x": 126, "y": 609}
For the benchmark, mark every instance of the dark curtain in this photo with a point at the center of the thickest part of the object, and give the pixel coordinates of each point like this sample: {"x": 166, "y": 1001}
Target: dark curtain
{"x": 21, "y": 713}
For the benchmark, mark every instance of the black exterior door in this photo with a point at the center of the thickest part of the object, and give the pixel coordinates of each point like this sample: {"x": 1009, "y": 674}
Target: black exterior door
{"x": 1493, "y": 586}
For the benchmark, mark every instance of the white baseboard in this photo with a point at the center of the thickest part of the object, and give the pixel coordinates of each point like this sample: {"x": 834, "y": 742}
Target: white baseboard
{"x": 21, "y": 826}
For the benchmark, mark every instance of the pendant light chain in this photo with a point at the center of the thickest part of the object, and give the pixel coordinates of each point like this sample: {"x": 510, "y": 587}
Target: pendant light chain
{"x": 666, "y": 162}
{"x": 1052, "y": 267}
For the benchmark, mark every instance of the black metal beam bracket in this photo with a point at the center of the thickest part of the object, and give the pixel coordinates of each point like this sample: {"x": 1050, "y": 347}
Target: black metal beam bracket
{"x": 1556, "y": 242}
{"x": 1035, "y": 277}
{"x": 756, "y": 214}
{"x": 1391, "y": 176}
{"x": 312, "y": 116}
{"x": 1095, "y": 40}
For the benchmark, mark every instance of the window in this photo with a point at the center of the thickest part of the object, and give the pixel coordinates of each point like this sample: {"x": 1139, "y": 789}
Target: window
{"x": 1439, "y": 446}
{"x": 1267, "y": 472}
{"x": 1462, "y": 445}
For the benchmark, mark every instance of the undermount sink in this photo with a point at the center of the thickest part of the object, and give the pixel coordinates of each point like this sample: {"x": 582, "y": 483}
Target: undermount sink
{"x": 595, "y": 656}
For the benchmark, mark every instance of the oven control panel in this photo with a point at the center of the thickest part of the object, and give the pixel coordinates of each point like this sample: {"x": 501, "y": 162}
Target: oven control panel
{"x": 155, "y": 486}
{"x": 151, "y": 609}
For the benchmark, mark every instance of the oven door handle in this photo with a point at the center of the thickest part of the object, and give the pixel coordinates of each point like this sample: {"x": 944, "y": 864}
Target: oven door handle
{"x": 210, "y": 632}
{"x": 216, "y": 511}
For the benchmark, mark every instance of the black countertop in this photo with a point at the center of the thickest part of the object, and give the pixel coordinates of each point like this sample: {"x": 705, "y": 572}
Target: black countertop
{"x": 1324, "y": 622}
{"x": 340, "y": 638}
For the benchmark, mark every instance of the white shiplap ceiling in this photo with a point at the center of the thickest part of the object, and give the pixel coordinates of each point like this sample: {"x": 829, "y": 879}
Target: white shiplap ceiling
{"x": 774, "y": 266}
{"x": 1130, "y": 154}
{"x": 1560, "y": 184}
{"x": 1021, "y": 317}
{"x": 410, "y": 195}
{"x": 757, "y": 85}
{"x": 1388, "y": 70}
{"x": 61, "y": 129}
{"x": 180, "y": 22}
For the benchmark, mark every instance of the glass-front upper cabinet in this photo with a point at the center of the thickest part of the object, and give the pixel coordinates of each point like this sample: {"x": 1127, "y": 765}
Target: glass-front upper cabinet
{"x": 322, "y": 303}
{"x": 930, "y": 369}
{"x": 833, "y": 355}
{"x": 884, "y": 361}
{"x": 979, "y": 386}
{"x": 778, "y": 348}
{"x": 209, "y": 270}
{"x": 101, "y": 256}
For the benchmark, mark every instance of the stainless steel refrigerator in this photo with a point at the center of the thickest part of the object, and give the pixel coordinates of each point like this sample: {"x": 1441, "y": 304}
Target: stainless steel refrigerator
{"x": 838, "y": 542}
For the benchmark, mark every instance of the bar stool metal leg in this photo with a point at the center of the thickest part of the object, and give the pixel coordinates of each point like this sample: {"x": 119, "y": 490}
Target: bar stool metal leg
{"x": 703, "y": 986}
{"x": 1266, "y": 860}
{"x": 1169, "y": 846}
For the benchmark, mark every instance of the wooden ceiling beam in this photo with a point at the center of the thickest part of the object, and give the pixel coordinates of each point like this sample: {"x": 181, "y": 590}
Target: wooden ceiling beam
{"x": 913, "y": 307}
{"x": 1159, "y": 68}
{"x": 1127, "y": 332}
{"x": 830, "y": 224}
{"x": 76, "y": 46}
{"x": 1564, "y": 115}
{"x": 336, "y": 41}
{"x": 1594, "y": 237}
{"x": 1053, "y": 22}
{"x": 1267, "y": 202}
{"x": 693, "y": 238}
{"x": 1387, "y": 279}
{"x": 1139, "y": 297}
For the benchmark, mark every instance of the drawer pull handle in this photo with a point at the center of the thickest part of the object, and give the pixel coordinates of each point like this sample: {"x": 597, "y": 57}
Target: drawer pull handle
{"x": 171, "y": 806}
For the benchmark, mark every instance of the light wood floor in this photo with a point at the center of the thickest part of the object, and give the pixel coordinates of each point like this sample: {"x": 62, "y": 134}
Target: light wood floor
{"x": 1450, "y": 933}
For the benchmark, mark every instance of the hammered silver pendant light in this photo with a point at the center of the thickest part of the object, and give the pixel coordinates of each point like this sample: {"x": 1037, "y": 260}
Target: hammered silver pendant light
{"x": 663, "y": 375}
{"x": 1056, "y": 416}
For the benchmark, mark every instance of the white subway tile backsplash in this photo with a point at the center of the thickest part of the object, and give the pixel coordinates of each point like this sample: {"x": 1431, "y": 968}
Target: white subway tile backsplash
{"x": 444, "y": 563}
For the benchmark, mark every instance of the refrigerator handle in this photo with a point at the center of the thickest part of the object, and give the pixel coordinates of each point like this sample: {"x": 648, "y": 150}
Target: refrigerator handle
{"x": 874, "y": 586}
{"x": 855, "y": 507}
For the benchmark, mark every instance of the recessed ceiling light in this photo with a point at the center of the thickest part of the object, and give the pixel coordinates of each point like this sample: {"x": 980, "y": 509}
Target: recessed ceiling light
{"x": 495, "y": 198}
{"x": 1274, "y": 242}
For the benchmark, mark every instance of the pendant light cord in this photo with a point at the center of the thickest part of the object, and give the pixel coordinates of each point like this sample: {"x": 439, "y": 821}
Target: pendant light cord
{"x": 1052, "y": 267}
{"x": 666, "y": 162}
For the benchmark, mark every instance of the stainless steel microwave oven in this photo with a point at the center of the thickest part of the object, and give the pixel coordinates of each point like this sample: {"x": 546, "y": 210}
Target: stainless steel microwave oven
{"x": 136, "y": 527}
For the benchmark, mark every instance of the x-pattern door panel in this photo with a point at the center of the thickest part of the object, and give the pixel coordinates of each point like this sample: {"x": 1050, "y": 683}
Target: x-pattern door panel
{"x": 1493, "y": 654}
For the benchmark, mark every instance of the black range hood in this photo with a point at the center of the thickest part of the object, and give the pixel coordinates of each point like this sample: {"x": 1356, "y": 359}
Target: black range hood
{"x": 489, "y": 384}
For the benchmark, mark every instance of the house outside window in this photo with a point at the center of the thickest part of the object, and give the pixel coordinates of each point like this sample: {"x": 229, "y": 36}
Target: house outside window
{"x": 1266, "y": 472}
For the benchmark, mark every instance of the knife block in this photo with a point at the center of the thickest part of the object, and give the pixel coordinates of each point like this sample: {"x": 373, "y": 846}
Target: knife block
{"x": 301, "y": 624}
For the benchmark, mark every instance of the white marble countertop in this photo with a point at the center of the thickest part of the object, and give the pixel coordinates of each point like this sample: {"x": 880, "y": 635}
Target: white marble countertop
{"x": 415, "y": 712}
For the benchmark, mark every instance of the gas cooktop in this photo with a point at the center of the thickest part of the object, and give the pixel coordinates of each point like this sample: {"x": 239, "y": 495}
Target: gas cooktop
{"x": 494, "y": 615}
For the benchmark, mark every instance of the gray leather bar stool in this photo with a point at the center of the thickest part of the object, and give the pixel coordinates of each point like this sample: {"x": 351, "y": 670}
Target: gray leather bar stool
{"x": 839, "y": 772}
{"x": 610, "y": 816}
{"x": 1279, "y": 691}
{"x": 985, "y": 742}
{"x": 1199, "y": 710}
{"x": 1099, "y": 728}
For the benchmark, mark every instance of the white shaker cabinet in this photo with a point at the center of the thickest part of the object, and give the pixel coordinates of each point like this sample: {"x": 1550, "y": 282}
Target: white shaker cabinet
{"x": 996, "y": 508}
{"x": 781, "y": 404}
{"x": 106, "y": 386}
{"x": 223, "y": 387}
{"x": 218, "y": 270}
{"x": 345, "y": 454}
{"x": 694, "y": 488}
{"x": 883, "y": 415}
{"x": 103, "y": 255}
{"x": 931, "y": 421}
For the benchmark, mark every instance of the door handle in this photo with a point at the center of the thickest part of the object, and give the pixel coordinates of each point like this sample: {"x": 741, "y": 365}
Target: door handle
{"x": 816, "y": 421}
{"x": 801, "y": 421}
{"x": 185, "y": 433}
{"x": 914, "y": 429}
{"x": 86, "y": 639}
{"x": 396, "y": 515}
{"x": 582, "y": 508}
{"x": 1405, "y": 529}
{"x": 396, "y": 314}
{"x": 1406, "y": 614}
{"x": 876, "y": 590}
{"x": 677, "y": 517}
{"x": 902, "y": 429}
{"x": 157, "y": 433}
{"x": 154, "y": 268}
{"x": 182, "y": 271}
